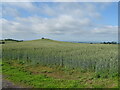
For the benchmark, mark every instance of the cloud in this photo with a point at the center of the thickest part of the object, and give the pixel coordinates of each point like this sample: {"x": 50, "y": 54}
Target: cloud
{"x": 61, "y": 26}
{"x": 18, "y": 1}
{"x": 16, "y": 9}
{"x": 106, "y": 30}
{"x": 60, "y": 1}
{"x": 12, "y": 12}
{"x": 64, "y": 21}
{"x": 74, "y": 9}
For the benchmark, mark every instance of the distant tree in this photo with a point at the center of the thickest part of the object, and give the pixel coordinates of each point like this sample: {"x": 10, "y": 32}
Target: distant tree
{"x": 2, "y": 42}
{"x": 12, "y": 40}
{"x": 114, "y": 42}
{"x": 108, "y": 43}
{"x": 104, "y": 43}
{"x": 43, "y": 38}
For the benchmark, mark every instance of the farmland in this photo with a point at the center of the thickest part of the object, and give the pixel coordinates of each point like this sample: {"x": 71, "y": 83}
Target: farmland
{"x": 76, "y": 61}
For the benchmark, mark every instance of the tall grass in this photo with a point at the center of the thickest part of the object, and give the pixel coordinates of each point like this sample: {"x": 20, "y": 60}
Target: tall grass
{"x": 99, "y": 58}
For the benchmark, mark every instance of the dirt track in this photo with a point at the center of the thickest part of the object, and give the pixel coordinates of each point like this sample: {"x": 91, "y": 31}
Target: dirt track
{"x": 8, "y": 84}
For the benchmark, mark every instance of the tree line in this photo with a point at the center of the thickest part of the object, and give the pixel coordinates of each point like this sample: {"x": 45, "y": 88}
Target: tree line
{"x": 4, "y": 41}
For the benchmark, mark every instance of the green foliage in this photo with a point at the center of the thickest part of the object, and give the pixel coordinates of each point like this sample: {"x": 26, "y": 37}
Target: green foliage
{"x": 99, "y": 58}
{"x": 37, "y": 81}
{"x": 25, "y": 78}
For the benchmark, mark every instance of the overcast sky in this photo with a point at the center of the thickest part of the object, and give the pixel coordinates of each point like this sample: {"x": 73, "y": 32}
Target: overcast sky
{"x": 67, "y": 21}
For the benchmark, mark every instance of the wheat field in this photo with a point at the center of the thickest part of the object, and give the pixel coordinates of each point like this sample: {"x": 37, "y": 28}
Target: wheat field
{"x": 98, "y": 58}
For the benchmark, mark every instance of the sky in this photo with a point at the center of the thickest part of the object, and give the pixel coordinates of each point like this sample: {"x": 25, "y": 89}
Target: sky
{"x": 63, "y": 21}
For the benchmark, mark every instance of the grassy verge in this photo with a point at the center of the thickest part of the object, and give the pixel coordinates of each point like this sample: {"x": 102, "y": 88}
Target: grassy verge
{"x": 45, "y": 77}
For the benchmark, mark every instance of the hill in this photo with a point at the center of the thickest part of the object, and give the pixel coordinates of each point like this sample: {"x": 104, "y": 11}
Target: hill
{"x": 49, "y": 63}
{"x": 71, "y": 55}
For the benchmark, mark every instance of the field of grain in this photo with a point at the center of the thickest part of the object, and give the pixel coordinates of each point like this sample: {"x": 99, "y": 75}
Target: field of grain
{"x": 98, "y": 58}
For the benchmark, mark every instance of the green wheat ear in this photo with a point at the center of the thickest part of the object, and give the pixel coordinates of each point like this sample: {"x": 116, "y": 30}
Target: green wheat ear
{"x": 99, "y": 58}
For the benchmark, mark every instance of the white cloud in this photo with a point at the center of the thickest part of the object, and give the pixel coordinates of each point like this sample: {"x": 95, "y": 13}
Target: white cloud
{"x": 62, "y": 21}
{"x": 11, "y": 11}
{"x": 63, "y": 26}
{"x": 106, "y": 30}
{"x": 13, "y": 8}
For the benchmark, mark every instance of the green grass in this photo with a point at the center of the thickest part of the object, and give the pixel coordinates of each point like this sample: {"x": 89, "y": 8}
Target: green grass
{"x": 20, "y": 75}
{"x": 36, "y": 81}
{"x": 0, "y": 66}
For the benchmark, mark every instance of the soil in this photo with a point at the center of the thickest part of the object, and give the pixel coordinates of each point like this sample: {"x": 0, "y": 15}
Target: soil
{"x": 8, "y": 84}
